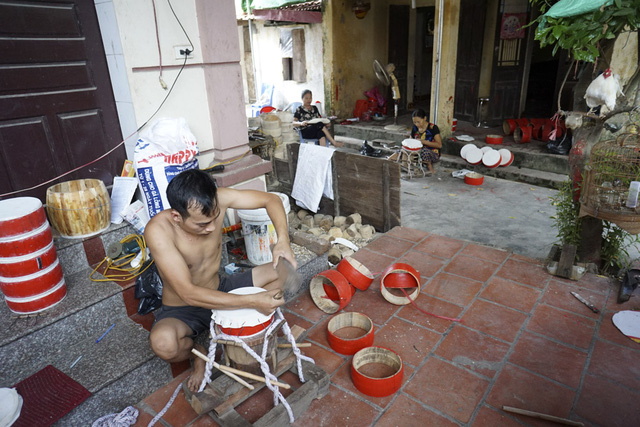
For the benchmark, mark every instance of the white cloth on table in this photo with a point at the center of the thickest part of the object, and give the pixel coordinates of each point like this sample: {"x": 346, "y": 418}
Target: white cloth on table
{"x": 313, "y": 176}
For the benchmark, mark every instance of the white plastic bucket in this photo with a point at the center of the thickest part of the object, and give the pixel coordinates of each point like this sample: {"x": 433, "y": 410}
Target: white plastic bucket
{"x": 259, "y": 233}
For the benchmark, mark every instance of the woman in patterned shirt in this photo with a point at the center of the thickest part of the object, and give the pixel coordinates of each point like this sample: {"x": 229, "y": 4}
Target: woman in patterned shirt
{"x": 307, "y": 112}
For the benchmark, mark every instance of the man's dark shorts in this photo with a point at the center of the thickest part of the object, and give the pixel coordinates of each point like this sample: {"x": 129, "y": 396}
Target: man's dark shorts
{"x": 198, "y": 318}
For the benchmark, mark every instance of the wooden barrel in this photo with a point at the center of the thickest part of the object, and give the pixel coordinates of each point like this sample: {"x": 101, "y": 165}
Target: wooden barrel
{"x": 31, "y": 278}
{"x": 80, "y": 208}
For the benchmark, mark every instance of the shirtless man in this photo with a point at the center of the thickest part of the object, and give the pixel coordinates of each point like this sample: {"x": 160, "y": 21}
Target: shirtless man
{"x": 185, "y": 242}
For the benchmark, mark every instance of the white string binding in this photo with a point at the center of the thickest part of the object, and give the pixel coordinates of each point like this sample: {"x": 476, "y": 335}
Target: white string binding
{"x": 261, "y": 359}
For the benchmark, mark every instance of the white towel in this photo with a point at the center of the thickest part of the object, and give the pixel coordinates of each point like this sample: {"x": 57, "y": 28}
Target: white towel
{"x": 313, "y": 176}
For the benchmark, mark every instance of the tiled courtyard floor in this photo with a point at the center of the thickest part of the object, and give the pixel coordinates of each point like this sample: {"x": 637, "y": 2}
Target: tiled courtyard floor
{"x": 523, "y": 341}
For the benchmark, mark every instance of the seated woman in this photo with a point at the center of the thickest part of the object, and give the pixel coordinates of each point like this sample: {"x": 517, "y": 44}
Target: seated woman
{"x": 429, "y": 135}
{"x": 307, "y": 112}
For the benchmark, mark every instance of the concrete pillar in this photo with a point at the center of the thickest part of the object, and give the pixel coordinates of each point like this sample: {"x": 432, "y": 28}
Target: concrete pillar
{"x": 225, "y": 96}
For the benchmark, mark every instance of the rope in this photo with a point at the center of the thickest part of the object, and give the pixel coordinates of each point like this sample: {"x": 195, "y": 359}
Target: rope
{"x": 126, "y": 418}
{"x": 166, "y": 407}
{"x": 261, "y": 359}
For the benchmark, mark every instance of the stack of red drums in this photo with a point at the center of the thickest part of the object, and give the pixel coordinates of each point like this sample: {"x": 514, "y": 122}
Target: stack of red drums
{"x": 30, "y": 274}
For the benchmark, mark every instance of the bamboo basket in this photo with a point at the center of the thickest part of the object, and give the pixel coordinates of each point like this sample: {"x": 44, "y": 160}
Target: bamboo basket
{"x": 80, "y": 208}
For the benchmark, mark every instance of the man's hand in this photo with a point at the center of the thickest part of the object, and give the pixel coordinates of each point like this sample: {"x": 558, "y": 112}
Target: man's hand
{"x": 267, "y": 302}
{"x": 283, "y": 249}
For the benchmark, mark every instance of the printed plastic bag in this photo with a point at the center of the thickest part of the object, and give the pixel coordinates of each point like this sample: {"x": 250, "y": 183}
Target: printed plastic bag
{"x": 148, "y": 290}
{"x": 163, "y": 150}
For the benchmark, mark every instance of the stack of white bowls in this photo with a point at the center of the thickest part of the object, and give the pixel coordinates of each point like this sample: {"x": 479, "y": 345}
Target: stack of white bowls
{"x": 289, "y": 134}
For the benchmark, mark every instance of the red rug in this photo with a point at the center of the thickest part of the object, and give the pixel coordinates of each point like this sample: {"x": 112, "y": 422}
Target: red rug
{"x": 48, "y": 395}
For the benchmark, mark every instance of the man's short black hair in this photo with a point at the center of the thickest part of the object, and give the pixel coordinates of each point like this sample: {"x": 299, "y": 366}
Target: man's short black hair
{"x": 193, "y": 188}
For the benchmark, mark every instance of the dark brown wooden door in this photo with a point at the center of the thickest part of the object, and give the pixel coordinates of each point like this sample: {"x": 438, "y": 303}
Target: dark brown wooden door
{"x": 398, "y": 51}
{"x": 470, "y": 39}
{"x": 57, "y": 110}
{"x": 508, "y": 68}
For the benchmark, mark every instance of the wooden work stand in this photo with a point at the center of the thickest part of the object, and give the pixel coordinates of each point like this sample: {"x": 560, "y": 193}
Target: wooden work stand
{"x": 223, "y": 394}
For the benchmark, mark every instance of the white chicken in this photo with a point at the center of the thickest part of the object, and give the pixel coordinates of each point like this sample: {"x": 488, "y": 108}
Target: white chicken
{"x": 603, "y": 91}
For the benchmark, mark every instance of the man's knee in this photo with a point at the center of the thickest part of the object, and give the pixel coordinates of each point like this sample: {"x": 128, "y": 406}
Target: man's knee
{"x": 164, "y": 343}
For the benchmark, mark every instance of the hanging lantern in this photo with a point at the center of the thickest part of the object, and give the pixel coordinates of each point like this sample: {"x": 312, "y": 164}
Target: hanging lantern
{"x": 360, "y": 8}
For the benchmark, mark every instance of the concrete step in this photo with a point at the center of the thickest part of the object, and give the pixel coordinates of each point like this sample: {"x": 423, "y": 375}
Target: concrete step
{"x": 517, "y": 171}
{"x": 118, "y": 370}
{"x": 533, "y": 155}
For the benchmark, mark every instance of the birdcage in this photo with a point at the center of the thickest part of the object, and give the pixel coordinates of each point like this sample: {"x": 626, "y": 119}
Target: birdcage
{"x": 607, "y": 191}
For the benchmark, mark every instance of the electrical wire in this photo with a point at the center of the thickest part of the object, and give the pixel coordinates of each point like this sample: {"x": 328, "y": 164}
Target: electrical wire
{"x": 155, "y": 20}
{"x": 122, "y": 265}
{"x": 125, "y": 139}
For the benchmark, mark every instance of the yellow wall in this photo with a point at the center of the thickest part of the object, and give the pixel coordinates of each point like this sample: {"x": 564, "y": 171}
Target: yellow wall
{"x": 351, "y": 45}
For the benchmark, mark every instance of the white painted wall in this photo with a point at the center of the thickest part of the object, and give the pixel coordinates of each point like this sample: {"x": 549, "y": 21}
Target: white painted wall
{"x": 268, "y": 61}
{"x": 129, "y": 37}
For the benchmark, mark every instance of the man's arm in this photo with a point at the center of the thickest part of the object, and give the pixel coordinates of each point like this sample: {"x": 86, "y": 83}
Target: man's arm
{"x": 250, "y": 199}
{"x": 175, "y": 272}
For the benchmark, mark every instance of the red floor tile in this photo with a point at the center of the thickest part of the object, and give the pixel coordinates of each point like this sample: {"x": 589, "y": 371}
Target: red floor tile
{"x": 608, "y": 331}
{"x": 604, "y": 403}
{"x": 253, "y": 408}
{"x": 472, "y": 268}
{"x": 304, "y": 306}
{"x": 372, "y": 304}
{"x": 338, "y": 409}
{"x": 430, "y": 305}
{"x": 328, "y": 360}
{"x": 343, "y": 379}
{"x": 511, "y": 294}
{"x": 413, "y": 343}
{"x": 318, "y": 332}
{"x": 375, "y": 262}
{"x": 525, "y": 273}
{"x": 448, "y": 388}
{"x": 591, "y": 281}
{"x": 490, "y": 417}
{"x": 632, "y": 304}
{"x": 143, "y": 418}
{"x": 426, "y": 265}
{"x": 485, "y": 252}
{"x": 455, "y": 289}
{"x": 526, "y": 259}
{"x": 493, "y": 319}
{"x": 520, "y": 389}
{"x": 294, "y": 319}
{"x": 616, "y": 363}
{"x": 443, "y": 247}
{"x": 180, "y": 412}
{"x": 204, "y": 420}
{"x": 549, "y": 359}
{"x": 407, "y": 412}
{"x": 390, "y": 246}
{"x": 474, "y": 350}
{"x": 407, "y": 233}
{"x": 559, "y": 295}
{"x": 563, "y": 326}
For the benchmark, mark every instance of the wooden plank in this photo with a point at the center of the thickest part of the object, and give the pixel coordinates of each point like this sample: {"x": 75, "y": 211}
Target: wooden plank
{"x": 232, "y": 419}
{"x": 361, "y": 188}
{"x": 244, "y": 393}
{"x": 567, "y": 258}
{"x": 299, "y": 400}
{"x": 386, "y": 207}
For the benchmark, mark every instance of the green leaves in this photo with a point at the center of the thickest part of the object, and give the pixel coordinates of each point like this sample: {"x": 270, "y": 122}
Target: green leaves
{"x": 581, "y": 34}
